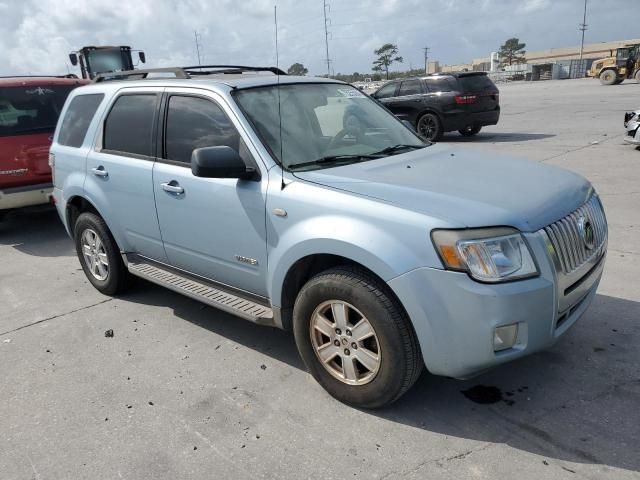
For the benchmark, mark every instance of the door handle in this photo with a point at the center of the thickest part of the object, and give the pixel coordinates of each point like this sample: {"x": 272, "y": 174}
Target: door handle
{"x": 168, "y": 187}
{"x": 100, "y": 171}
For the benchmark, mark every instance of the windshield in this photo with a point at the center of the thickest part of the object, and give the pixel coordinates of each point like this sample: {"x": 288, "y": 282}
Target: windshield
{"x": 101, "y": 61}
{"x": 320, "y": 121}
{"x": 31, "y": 109}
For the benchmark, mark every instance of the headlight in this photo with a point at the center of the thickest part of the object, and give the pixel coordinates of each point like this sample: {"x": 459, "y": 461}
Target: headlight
{"x": 488, "y": 254}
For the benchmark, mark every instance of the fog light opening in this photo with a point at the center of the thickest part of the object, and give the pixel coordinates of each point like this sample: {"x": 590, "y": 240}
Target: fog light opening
{"x": 505, "y": 337}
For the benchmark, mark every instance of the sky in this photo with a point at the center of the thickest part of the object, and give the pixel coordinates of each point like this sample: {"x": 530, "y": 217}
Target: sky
{"x": 39, "y": 34}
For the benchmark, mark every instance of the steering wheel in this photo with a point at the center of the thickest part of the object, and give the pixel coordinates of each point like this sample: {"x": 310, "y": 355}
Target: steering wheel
{"x": 339, "y": 137}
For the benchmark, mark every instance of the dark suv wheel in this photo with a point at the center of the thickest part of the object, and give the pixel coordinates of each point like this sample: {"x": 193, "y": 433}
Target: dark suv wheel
{"x": 99, "y": 255}
{"x": 430, "y": 127}
{"x": 355, "y": 339}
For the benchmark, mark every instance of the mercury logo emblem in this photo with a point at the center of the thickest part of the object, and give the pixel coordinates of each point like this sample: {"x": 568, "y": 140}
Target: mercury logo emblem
{"x": 587, "y": 232}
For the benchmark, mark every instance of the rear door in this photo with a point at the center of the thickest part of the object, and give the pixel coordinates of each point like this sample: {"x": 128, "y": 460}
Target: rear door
{"x": 119, "y": 180}
{"x": 28, "y": 117}
{"x": 480, "y": 86}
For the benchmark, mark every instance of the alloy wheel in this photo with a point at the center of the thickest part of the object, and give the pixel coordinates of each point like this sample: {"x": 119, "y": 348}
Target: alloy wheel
{"x": 345, "y": 342}
{"x": 95, "y": 255}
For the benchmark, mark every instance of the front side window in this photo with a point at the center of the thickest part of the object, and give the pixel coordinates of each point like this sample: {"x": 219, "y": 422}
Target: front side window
{"x": 321, "y": 123}
{"x": 387, "y": 91}
{"x": 31, "y": 109}
{"x": 194, "y": 122}
{"x": 77, "y": 119}
{"x": 410, "y": 87}
{"x": 129, "y": 125}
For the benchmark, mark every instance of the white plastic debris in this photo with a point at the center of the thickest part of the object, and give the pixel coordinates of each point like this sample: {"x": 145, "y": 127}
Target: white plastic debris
{"x": 8, "y": 340}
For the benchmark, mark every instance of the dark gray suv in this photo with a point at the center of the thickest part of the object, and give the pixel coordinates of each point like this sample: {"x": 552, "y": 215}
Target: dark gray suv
{"x": 434, "y": 104}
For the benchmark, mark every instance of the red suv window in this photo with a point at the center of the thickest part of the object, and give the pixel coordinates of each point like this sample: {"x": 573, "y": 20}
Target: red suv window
{"x": 31, "y": 109}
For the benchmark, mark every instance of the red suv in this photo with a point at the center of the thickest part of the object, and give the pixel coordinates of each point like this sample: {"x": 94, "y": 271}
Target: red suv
{"x": 29, "y": 111}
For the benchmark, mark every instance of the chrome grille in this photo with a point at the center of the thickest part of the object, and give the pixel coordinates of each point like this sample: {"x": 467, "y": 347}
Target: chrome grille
{"x": 567, "y": 235}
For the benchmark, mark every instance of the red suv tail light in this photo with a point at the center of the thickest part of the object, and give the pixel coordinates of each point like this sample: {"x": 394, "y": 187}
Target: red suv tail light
{"x": 466, "y": 99}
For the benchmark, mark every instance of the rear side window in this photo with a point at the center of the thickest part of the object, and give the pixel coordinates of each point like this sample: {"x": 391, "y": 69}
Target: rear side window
{"x": 441, "y": 84}
{"x": 31, "y": 109}
{"x": 129, "y": 125}
{"x": 194, "y": 122}
{"x": 410, "y": 87}
{"x": 387, "y": 91}
{"x": 77, "y": 119}
{"x": 476, "y": 83}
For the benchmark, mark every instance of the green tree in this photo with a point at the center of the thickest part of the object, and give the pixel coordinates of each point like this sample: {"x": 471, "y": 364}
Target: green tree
{"x": 387, "y": 54}
{"x": 512, "y": 52}
{"x": 297, "y": 69}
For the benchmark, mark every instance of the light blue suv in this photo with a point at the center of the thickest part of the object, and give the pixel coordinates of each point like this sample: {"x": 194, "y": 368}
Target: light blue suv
{"x": 302, "y": 203}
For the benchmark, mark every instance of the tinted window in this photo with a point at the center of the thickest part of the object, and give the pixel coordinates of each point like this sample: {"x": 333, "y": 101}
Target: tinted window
{"x": 31, "y": 109}
{"x": 129, "y": 126}
{"x": 410, "y": 87}
{"x": 77, "y": 119}
{"x": 441, "y": 84}
{"x": 195, "y": 123}
{"x": 476, "y": 83}
{"x": 387, "y": 91}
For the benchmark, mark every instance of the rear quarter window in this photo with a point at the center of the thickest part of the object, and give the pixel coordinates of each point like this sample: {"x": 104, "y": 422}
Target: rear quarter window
{"x": 476, "y": 83}
{"x": 77, "y": 119}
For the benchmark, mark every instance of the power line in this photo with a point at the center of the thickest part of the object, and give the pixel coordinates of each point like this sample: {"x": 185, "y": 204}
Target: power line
{"x": 583, "y": 27}
{"x": 326, "y": 38}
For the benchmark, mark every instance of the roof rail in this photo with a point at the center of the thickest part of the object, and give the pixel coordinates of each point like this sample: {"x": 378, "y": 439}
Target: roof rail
{"x": 229, "y": 69}
{"x": 141, "y": 74}
{"x": 184, "y": 72}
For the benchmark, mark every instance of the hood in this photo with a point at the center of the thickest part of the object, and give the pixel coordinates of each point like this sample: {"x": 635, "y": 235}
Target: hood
{"x": 467, "y": 188}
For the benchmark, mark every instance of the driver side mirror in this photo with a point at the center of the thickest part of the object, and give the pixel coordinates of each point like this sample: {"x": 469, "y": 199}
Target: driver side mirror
{"x": 142, "y": 57}
{"x": 220, "y": 162}
{"x": 73, "y": 58}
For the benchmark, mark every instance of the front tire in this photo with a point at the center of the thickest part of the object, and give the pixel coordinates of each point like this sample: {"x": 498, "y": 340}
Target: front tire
{"x": 355, "y": 339}
{"x": 608, "y": 77}
{"x": 99, "y": 255}
{"x": 430, "y": 127}
{"x": 470, "y": 131}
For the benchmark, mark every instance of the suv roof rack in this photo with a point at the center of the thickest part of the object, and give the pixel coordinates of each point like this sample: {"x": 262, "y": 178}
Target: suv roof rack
{"x": 184, "y": 72}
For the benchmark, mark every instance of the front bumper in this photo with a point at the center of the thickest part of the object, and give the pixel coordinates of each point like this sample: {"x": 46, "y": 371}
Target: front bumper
{"x": 26, "y": 196}
{"x": 455, "y": 317}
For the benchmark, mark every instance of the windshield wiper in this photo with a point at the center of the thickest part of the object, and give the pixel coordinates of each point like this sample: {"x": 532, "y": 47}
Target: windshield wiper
{"x": 397, "y": 148}
{"x": 333, "y": 159}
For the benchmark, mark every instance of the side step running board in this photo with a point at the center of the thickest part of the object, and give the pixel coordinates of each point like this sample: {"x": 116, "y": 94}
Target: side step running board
{"x": 198, "y": 290}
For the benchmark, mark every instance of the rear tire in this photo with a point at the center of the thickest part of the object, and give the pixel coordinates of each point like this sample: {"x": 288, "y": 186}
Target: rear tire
{"x": 608, "y": 77}
{"x": 99, "y": 255}
{"x": 430, "y": 127}
{"x": 470, "y": 131}
{"x": 376, "y": 358}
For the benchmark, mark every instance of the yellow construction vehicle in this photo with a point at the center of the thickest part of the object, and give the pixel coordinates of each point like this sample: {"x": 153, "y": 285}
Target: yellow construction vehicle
{"x": 617, "y": 68}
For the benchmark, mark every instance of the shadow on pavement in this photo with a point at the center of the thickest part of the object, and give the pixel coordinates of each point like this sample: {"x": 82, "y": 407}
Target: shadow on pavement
{"x": 577, "y": 402}
{"x": 36, "y": 232}
{"x": 490, "y": 137}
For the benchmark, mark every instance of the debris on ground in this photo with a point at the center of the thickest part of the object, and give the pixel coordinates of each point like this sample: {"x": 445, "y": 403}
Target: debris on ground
{"x": 263, "y": 366}
{"x": 108, "y": 333}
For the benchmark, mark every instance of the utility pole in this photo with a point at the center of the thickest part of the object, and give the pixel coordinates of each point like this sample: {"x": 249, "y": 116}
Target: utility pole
{"x": 426, "y": 60}
{"x": 197, "y": 38}
{"x": 326, "y": 38}
{"x": 275, "y": 19}
{"x": 583, "y": 27}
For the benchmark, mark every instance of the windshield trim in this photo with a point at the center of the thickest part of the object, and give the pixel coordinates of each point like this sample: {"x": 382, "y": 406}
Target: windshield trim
{"x": 266, "y": 145}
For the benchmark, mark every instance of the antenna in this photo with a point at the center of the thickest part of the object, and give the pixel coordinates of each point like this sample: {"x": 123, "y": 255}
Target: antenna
{"x": 275, "y": 19}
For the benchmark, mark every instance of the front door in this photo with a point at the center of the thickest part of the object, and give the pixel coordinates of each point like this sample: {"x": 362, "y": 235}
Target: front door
{"x": 211, "y": 227}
